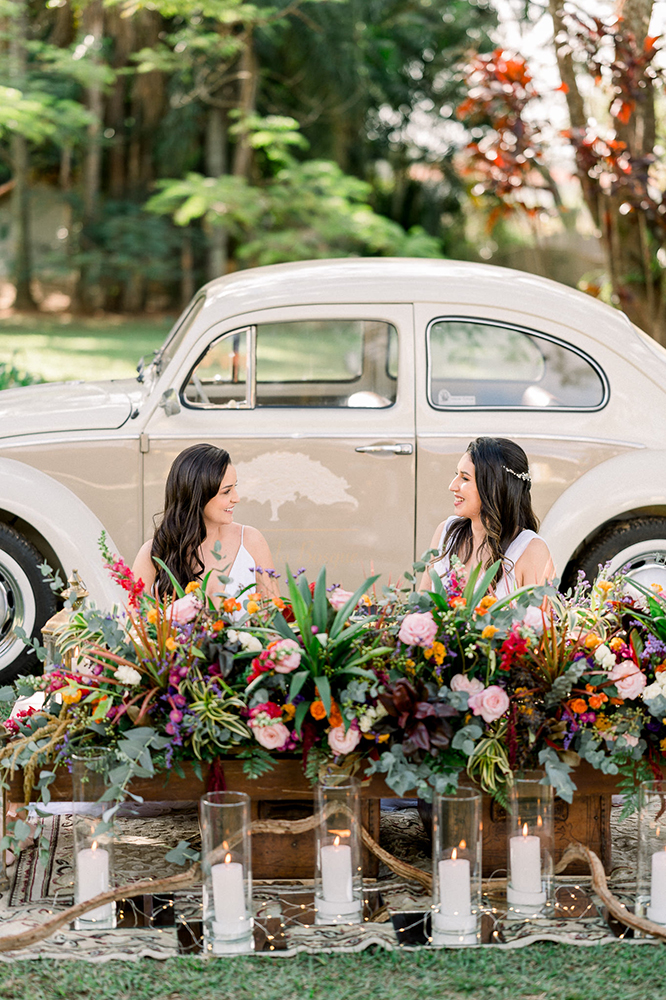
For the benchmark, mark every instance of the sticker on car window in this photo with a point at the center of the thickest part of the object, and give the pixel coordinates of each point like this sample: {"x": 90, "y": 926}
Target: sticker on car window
{"x": 444, "y": 398}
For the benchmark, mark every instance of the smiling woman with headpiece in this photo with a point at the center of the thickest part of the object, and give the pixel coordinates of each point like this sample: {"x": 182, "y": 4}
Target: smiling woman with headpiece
{"x": 494, "y": 519}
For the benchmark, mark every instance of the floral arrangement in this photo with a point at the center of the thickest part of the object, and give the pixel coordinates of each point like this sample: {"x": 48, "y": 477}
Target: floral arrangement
{"x": 419, "y": 686}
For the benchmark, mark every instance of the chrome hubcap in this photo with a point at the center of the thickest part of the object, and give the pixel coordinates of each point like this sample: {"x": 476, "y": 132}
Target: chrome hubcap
{"x": 12, "y": 609}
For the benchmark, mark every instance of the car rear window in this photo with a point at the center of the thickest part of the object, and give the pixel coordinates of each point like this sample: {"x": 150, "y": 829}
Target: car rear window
{"x": 478, "y": 363}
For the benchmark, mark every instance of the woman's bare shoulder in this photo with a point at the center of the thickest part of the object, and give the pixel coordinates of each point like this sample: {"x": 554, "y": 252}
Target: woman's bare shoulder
{"x": 143, "y": 566}
{"x": 535, "y": 565}
{"x": 254, "y": 541}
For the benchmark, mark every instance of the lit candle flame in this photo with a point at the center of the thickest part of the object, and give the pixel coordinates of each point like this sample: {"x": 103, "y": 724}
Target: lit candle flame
{"x": 336, "y": 842}
{"x": 539, "y": 821}
{"x": 227, "y": 860}
{"x": 462, "y": 845}
{"x": 94, "y": 845}
{"x": 225, "y": 845}
{"x": 454, "y": 854}
{"x": 525, "y": 830}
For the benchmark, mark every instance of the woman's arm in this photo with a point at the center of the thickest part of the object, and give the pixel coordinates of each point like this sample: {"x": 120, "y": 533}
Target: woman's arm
{"x": 535, "y": 565}
{"x": 143, "y": 567}
{"x": 257, "y": 546}
{"x": 426, "y": 582}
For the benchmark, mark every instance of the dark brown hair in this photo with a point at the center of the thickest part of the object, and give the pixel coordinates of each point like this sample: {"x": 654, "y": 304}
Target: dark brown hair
{"x": 506, "y": 501}
{"x": 193, "y": 480}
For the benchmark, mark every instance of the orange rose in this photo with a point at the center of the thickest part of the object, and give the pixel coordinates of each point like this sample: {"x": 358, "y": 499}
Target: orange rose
{"x": 597, "y": 700}
{"x": 458, "y": 602}
{"x": 251, "y": 607}
{"x": 335, "y": 718}
{"x": 592, "y": 641}
{"x": 278, "y": 603}
{"x": 230, "y": 605}
{"x": 579, "y": 705}
{"x": 218, "y": 625}
{"x": 317, "y": 710}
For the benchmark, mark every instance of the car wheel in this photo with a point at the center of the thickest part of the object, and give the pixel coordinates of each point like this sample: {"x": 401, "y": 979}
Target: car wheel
{"x": 26, "y": 601}
{"x": 638, "y": 546}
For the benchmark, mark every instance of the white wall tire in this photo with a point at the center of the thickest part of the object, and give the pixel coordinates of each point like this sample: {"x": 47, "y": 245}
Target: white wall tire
{"x": 636, "y": 547}
{"x": 26, "y": 602}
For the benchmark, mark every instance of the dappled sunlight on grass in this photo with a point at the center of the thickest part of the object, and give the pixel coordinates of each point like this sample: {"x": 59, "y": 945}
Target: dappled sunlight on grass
{"x": 62, "y": 347}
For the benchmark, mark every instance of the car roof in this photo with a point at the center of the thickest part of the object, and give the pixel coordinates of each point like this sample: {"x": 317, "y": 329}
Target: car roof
{"x": 409, "y": 279}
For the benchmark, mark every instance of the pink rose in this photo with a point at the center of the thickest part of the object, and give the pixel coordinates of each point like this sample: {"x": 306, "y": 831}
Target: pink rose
{"x": 533, "y": 618}
{"x": 272, "y": 737}
{"x": 418, "y": 629}
{"x": 185, "y": 609}
{"x": 461, "y": 682}
{"x": 490, "y": 704}
{"x": 339, "y": 597}
{"x": 286, "y": 655}
{"x": 341, "y": 741}
{"x": 629, "y": 680}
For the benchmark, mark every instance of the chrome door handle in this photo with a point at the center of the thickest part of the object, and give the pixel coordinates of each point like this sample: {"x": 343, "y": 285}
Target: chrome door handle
{"x": 395, "y": 449}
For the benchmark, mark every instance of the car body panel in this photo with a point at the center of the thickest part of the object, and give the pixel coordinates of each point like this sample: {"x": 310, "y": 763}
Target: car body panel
{"x": 301, "y": 480}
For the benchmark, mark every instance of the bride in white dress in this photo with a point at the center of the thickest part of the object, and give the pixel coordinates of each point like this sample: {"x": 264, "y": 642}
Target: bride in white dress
{"x": 199, "y": 502}
{"x": 493, "y": 519}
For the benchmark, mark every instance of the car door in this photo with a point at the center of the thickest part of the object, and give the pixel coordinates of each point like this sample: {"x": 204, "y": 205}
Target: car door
{"x": 501, "y": 373}
{"x": 316, "y": 408}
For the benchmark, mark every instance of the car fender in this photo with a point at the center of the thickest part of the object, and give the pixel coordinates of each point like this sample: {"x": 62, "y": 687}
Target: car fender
{"x": 623, "y": 483}
{"x": 70, "y": 528}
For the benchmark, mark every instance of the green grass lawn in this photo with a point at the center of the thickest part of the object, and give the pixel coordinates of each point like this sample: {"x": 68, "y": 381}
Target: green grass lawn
{"x": 537, "y": 972}
{"x": 63, "y": 347}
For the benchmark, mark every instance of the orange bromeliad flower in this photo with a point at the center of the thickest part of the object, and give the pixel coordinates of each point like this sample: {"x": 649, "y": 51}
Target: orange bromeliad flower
{"x": 578, "y": 705}
{"x": 317, "y": 710}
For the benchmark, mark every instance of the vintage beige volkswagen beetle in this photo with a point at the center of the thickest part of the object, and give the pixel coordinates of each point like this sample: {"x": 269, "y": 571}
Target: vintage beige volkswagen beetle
{"x": 346, "y": 391}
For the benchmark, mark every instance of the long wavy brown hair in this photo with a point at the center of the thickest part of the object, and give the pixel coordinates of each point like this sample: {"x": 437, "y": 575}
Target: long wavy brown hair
{"x": 193, "y": 480}
{"x": 506, "y": 502}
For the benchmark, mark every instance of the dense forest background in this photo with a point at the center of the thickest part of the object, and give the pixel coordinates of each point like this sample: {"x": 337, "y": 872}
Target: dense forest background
{"x": 189, "y": 138}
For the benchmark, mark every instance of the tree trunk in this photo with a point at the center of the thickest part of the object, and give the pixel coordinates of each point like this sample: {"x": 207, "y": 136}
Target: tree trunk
{"x": 20, "y": 155}
{"x": 248, "y": 74}
{"x": 216, "y": 166}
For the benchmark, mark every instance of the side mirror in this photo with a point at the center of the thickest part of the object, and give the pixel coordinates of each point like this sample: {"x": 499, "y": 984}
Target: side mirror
{"x": 169, "y": 403}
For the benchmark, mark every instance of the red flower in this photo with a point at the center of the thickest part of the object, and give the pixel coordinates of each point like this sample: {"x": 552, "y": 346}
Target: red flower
{"x": 513, "y": 647}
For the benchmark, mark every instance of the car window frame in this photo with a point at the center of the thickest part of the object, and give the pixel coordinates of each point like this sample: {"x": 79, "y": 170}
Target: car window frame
{"x": 518, "y": 328}
{"x": 250, "y": 402}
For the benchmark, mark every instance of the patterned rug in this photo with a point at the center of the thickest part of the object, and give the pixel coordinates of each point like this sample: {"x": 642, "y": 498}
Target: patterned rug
{"x": 395, "y": 912}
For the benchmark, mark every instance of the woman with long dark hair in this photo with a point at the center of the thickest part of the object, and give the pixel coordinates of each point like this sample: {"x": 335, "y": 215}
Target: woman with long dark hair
{"x": 493, "y": 518}
{"x": 199, "y": 502}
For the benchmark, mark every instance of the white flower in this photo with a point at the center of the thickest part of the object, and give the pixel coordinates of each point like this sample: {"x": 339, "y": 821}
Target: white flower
{"x": 605, "y": 657}
{"x": 322, "y": 637}
{"x": 249, "y": 642}
{"x": 233, "y": 635}
{"x": 127, "y": 675}
{"x": 373, "y": 714}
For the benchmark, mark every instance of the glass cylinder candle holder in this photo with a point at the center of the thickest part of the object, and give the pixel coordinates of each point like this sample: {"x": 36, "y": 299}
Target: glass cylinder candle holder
{"x": 338, "y": 869}
{"x": 651, "y": 866}
{"x": 226, "y": 865}
{"x": 93, "y": 837}
{"x": 456, "y": 868}
{"x": 530, "y": 848}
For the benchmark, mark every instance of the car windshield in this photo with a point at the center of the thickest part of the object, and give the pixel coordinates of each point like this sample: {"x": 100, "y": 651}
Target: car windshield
{"x": 174, "y": 338}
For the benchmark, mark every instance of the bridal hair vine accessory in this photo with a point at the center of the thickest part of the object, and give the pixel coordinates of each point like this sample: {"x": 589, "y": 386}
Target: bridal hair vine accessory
{"x": 525, "y": 476}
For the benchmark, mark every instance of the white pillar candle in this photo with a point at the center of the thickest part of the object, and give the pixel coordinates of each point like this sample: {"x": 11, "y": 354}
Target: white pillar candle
{"x": 229, "y": 897}
{"x": 92, "y": 877}
{"x": 336, "y": 872}
{"x": 525, "y": 852}
{"x": 658, "y": 887}
{"x": 455, "y": 893}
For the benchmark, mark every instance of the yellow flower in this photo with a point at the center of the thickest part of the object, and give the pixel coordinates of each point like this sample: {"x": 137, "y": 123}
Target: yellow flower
{"x": 439, "y": 651}
{"x": 251, "y": 607}
{"x": 601, "y": 722}
{"x": 489, "y": 631}
{"x": 485, "y": 603}
{"x": 289, "y": 710}
{"x": 383, "y": 738}
{"x": 592, "y": 640}
{"x": 192, "y": 586}
{"x": 428, "y": 652}
{"x": 662, "y": 744}
{"x": 71, "y": 696}
{"x": 657, "y": 587}
{"x": 410, "y": 663}
{"x": 171, "y": 643}
{"x": 604, "y": 585}
{"x": 152, "y": 616}
{"x": 616, "y": 644}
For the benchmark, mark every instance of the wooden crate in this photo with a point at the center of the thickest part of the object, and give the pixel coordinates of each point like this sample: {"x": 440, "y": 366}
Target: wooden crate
{"x": 284, "y": 793}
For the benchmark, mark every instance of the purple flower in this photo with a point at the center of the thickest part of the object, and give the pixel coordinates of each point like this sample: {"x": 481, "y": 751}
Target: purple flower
{"x": 176, "y": 716}
{"x": 179, "y": 700}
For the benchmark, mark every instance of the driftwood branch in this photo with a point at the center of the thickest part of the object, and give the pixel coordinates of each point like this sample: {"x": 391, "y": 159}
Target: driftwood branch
{"x": 578, "y": 852}
{"x": 190, "y": 877}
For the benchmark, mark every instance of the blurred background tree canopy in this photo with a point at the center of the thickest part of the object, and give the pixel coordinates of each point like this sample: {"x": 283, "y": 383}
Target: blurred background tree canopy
{"x": 190, "y": 137}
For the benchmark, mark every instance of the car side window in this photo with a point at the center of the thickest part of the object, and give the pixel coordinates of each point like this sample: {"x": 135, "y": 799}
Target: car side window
{"x": 220, "y": 377}
{"x": 480, "y": 363}
{"x": 312, "y": 363}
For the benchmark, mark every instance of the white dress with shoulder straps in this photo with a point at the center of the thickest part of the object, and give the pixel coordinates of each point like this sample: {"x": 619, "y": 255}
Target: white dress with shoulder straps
{"x": 507, "y": 584}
